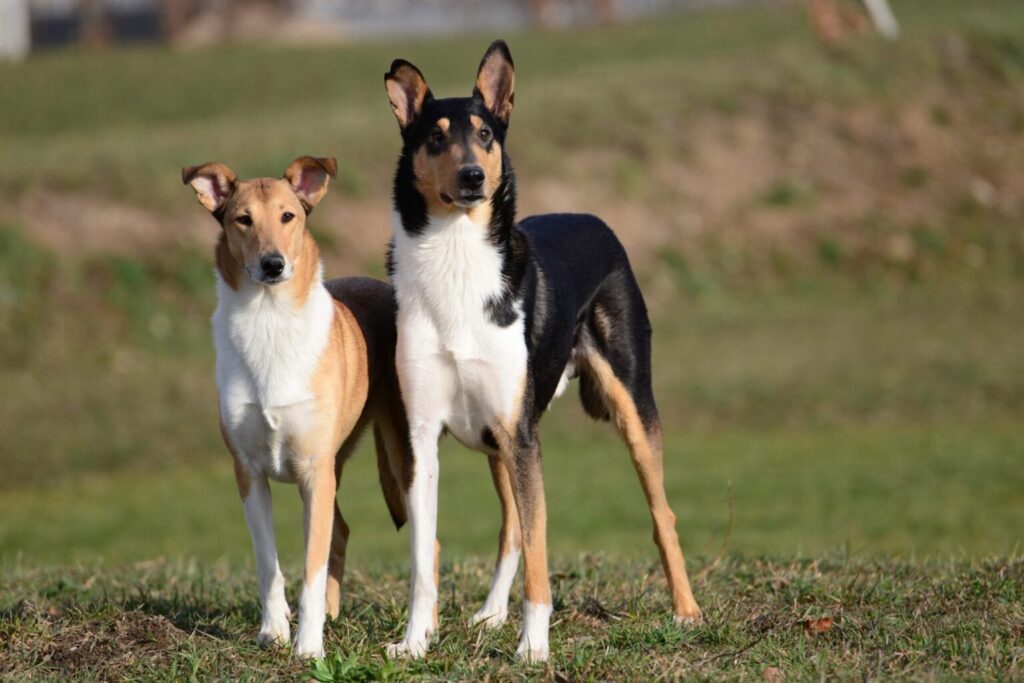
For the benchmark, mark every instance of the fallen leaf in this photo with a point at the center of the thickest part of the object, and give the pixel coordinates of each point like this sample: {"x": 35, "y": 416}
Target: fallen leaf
{"x": 772, "y": 674}
{"x": 813, "y": 627}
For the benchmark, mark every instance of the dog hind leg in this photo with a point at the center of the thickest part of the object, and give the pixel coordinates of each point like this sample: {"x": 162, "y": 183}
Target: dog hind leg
{"x": 642, "y": 434}
{"x": 495, "y": 608}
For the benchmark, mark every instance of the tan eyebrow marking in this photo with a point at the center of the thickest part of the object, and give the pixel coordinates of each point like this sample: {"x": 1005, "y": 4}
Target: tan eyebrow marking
{"x": 444, "y": 124}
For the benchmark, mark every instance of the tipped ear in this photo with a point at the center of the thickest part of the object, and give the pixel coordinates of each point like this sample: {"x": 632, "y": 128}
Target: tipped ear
{"x": 309, "y": 177}
{"x": 407, "y": 91}
{"x": 496, "y": 80}
{"x": 213, "y": 183}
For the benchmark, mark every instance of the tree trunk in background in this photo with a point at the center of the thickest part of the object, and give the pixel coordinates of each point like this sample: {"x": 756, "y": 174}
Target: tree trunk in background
{"x": 95, "y": 33}
{"x": 175, "y": 17}
{"x": 604, "y": 11}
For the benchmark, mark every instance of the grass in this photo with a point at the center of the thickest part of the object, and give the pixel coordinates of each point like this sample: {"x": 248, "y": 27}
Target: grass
{"x": 834, "y": 617}
{"x": 886, "y": 422}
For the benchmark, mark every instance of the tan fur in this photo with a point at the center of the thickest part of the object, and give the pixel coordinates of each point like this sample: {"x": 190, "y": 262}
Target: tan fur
{"x": 489, "y": 160}
{"x": 528, "y": 491}
{"x": 242, "y": 478}
{"x": 437, "y": 175}
{"x": 646, "y": 451}
{"x": 536, "y": 586}
{"x": 264, "y": 201}
{"x": 510, "y": 537}
{"x": 496, "y": 82}
{"x": 336, "y": 564}
{"x": 406, "y": 92}
{"x": 511, "y": 421}
{"x": 230, "y": 268}
{"x": 318, "y": 494}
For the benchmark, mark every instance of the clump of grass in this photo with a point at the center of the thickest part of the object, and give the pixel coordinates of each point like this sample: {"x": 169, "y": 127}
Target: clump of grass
{"x": 26, "y": 281}
{"x": 789, "y": 193}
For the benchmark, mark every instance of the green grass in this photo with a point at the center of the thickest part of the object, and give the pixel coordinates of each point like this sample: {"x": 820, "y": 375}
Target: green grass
{"x": 196, "y": 621}
{"x": 909, "y": 491}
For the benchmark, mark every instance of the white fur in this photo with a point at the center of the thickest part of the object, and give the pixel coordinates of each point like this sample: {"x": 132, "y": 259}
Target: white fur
{"x": 267, "y": 351}
{"x": 457, "y": 370}
{"x": 533, "y": 642}
{"x": 422, "y": 504}
{"x": 495, "y": 609}
{"x": 259, "y": 517}
{"x": 309, "y": 641}
{"x": 463, "y": 371}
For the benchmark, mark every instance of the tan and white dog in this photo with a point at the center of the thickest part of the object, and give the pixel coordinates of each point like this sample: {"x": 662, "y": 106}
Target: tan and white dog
{"x": 303, "y": 366}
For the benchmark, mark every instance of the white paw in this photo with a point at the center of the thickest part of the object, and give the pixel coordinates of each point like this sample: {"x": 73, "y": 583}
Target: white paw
{"x": 408, "y": 647}
{"x": 274, "y": 631}
{"x": 489, "y": 618}
{"x": 688, "y": 621}
{"x": 531, "y": 653}
{"x": 309, "y": 644}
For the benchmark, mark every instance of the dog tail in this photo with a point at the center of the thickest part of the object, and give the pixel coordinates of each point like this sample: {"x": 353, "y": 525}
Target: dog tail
{"x": 394, "y": 452}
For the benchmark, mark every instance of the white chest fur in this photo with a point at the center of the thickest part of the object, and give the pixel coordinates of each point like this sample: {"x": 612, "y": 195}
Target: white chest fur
{"x": 267, "y": 351}
{"x": 456, "y": 365}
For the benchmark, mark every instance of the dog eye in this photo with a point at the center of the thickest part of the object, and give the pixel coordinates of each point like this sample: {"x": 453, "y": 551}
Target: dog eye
{"x": 244, "y": 220}
{"x": 485, "y": 134}
{"x": 437, "y": 137}
{"x": 287, "y": 217}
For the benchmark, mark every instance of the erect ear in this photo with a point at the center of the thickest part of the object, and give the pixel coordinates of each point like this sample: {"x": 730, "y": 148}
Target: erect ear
{"x": 496, "y": 81}
{"x": 213, "y": 183}
{"x": 407, "y": 91}
{"x": 309, "y": 176}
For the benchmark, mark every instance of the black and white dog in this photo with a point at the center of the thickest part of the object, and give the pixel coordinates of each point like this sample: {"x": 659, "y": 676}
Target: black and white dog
{"x": 494, "y": 318}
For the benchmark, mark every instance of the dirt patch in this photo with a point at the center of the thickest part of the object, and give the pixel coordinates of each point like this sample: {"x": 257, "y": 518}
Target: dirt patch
{"x": 102, "y": 648}
{"x": 75, "y": 224}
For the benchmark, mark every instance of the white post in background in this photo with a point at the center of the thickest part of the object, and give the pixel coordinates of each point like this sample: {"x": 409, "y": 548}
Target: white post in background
{"x": 883, "y": 18}
{"x": 15, "y": 38}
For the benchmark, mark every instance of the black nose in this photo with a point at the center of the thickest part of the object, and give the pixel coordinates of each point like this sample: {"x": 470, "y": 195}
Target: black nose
{"x": 471, "y": 177}
{"x": 272, "y": 265}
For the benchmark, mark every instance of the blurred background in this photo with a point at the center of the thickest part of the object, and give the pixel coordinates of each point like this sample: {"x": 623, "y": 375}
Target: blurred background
{"x": 824, "y": 200}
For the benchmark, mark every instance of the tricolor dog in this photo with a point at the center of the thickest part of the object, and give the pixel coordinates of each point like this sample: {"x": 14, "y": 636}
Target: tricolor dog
{"x": 303, "y": 366}
{"x": 495, "y": 317}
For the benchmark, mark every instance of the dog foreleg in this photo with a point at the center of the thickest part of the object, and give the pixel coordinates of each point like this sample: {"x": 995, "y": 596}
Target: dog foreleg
{"x": 421, "y": 508}
{"x": 522, "y": 458}
{"x": 255, "y": 492}
{"x": 318, "y": 493}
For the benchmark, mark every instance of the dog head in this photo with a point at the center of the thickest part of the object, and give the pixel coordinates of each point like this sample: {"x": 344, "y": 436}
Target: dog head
{"x": 263, "y": 219}
{"x": 455, "y": 144}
